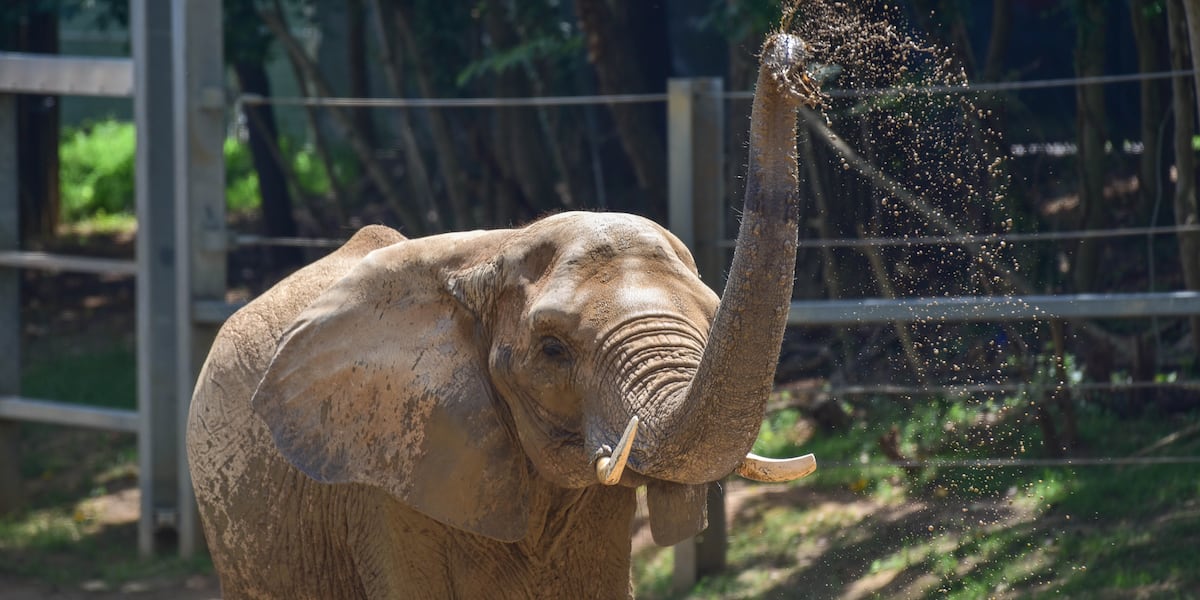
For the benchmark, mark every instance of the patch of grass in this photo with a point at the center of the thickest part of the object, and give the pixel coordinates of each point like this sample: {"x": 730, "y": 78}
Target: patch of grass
{"x": 105, "y": 376}
{"x": 62, "y": 537}
{"x": 653, "y": 571}
{"x": 123, "y": 224}
{"x": 65, "y": 545}
{"x": 961, "y": 532}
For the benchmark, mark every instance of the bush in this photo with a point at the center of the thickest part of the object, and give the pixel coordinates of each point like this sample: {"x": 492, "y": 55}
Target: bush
{"x": 241, "y": 180}
{"x": 96, "y": 169}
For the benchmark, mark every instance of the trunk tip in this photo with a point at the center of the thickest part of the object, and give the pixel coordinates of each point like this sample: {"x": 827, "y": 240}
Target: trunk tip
{"x": 786, "y": 59}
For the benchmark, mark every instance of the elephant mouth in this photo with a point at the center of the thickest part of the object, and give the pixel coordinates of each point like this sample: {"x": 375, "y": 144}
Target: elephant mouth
{"x": 610, "y": 463}
{"x": 679, "y": 510}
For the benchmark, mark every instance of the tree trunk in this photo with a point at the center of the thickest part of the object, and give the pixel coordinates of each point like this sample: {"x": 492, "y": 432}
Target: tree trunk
{"x": 998, "y": 41}
{"x": 443, "y": 142}
{"x": 628, "y": 51}
{"x": 413, "y": 222}
{"x": 321, "y": 146}
{"x": 1089, "y": 101}
{"x": 521, "y": 149}
{"x": 38, "y": 128}
{"x": 1148, "y": 33}
{"x": 278, "y": 220}
{"x": 356, "y": 66}
{"x": 418, "y": 172}
{"x": 1185, "y": 33}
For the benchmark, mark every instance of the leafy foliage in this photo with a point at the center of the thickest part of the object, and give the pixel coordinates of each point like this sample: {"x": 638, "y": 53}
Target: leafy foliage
{"x": 241, "y": 185}
{"x": 97, "y": 172}
{"x": 522, "y": 55}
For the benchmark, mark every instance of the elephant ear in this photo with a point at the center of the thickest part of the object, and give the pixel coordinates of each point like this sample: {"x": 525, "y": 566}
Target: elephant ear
{"x": 382, "y": 381}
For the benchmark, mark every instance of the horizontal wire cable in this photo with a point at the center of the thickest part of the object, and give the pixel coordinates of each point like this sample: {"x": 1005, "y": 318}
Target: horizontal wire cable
{"x": 994, "y": 86}
{"x": 1002, "y": 463}
{"x": 248, "y": 240}
{"x": 242, "y": 240}
{"x": 995, "y": 238}
{"x": 991, "y": 388}
{"x": 254, "y": 99}
{"x": 347, "y": 102}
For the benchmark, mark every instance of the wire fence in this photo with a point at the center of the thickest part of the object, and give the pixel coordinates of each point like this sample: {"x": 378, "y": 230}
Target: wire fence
{"x": 966, "y": 88}
{"x": 1015, "y": 463}
{"x": 966, "y": 389}
{"x": 942, "y": 240}
{"x": 317, "y": 101}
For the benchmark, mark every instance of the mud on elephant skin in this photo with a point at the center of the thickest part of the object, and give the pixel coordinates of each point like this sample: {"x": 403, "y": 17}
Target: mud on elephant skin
{"x": 468, "y": 414}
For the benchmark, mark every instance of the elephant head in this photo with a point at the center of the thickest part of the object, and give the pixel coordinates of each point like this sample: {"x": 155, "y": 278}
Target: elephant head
{"x": 582, "y": 349}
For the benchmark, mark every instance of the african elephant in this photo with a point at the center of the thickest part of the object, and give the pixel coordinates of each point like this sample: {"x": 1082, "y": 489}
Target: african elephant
{"x": 469, "y": 414}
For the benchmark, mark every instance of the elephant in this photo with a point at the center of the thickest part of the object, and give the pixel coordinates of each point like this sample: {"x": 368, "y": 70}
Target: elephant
{"x": 470, "y": 414}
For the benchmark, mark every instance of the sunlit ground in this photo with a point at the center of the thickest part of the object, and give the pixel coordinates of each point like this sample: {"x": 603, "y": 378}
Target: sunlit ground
{"x": 1118, "y": 532}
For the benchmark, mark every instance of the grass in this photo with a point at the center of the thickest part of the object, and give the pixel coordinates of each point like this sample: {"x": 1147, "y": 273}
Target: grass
{"x": 852, "y": 531}
{"x": 103, "y": 376}
{"x": 61, "y": 537}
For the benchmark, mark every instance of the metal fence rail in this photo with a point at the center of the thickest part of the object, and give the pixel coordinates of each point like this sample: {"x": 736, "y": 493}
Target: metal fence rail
{"x": 65, "y": 75}
{"x": 991, "y": 86}
{"x": 314, "y": 101}
{"x": 43, "y": 261}
{"x": 993, "y": 308}
{"x": 61, "y": 413}
{"x": 962, "y": 389}
{"x": 1018, "y": 463}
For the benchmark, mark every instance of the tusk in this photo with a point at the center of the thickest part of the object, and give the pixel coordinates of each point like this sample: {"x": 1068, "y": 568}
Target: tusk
{"x": 775, "y": 470}
{"x": 609, "y": 468}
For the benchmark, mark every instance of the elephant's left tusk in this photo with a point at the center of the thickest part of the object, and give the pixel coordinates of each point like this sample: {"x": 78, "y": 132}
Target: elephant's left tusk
{"x": 774, "y": 470}
{"x": 609, "y": 468}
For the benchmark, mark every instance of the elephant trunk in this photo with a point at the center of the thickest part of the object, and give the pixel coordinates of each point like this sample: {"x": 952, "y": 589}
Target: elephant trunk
{"x": 714, "y": 420}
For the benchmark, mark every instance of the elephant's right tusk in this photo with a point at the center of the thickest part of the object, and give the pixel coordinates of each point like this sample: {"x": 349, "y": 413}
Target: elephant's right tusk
{"x": 609, "y": 468}
{"x": 775, "y": 470}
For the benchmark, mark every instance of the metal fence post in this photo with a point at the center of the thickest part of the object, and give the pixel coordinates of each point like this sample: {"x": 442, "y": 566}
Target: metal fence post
{"x": 150, "y": 29}
{"x": 199, "y": 100}
{"x": 696, "y": 159}
{"x": 696, "y": 156}
{"x": 11, "y": 495}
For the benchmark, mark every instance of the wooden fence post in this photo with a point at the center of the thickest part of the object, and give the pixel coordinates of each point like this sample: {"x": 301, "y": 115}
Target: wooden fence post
{"x": 696, "y": 158}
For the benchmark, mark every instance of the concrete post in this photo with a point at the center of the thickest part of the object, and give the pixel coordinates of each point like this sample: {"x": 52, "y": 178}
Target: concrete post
{"x": 696, "y": 155}
{"x": 199, "y": 111}
{"x": 696, "y": 159}
{"x": 150, "y": 29}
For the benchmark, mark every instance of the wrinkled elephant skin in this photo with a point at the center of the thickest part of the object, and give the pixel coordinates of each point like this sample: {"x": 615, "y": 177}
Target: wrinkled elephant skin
{"x": 469, "y": 414}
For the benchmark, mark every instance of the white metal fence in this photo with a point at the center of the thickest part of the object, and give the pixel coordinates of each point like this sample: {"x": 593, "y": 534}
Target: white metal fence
{"x": 176, "y": 80}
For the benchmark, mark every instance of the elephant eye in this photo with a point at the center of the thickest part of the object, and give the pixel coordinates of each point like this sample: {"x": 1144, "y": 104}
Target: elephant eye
{"x": 554, "y": 348}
